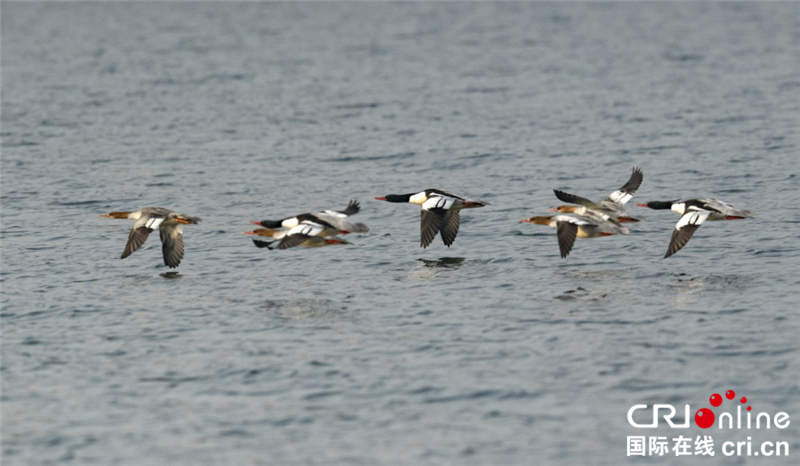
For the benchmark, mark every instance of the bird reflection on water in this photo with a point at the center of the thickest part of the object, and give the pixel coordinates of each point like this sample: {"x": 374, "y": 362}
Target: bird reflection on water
{"x": 446, "y": 262}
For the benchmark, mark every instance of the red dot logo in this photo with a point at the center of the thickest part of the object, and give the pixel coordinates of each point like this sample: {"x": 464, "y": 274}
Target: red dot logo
{"x": 749, "y": 408}
{"x": 743, "y": 399}
{"x": 715, "y": 400}
{"x": 730, "y": 394}
{"x": 704, "y": 418}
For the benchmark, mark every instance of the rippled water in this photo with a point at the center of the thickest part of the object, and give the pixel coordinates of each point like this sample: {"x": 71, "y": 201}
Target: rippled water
{"x": 494, "y": 351}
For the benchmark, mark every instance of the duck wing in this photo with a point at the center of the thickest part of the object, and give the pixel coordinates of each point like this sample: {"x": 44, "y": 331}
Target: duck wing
{"x": 450, "y": 227}
{"x": 291, "y": 241}
{"x": 685, "y": 228}
{"x": 430, "y": 224}
{"x": 573, "y": 199}
{"x": 434, "y": 217}
{"x": 263, "y": 244}
{"x": 566, "y": 232}
{"x": 139, "y": 233}
{"x": 626, "y": 192}
{"x": 352, "y": 208}
{"x": 171, "y": 245}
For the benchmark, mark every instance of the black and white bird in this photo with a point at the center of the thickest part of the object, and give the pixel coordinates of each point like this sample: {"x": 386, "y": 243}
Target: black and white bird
{"x": 166, "y": 222}
{"x": 570, "y": 226}
{"x": 309, "y": 230}
{"x": 440, "y": 213}
{"x": 693, "y": 213}
{"x": 613, "y": 205}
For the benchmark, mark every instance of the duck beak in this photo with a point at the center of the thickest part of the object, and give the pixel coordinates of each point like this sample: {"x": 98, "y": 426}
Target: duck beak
{"x": 525, "y": 220}
{"x": 641, "y": 205}
{"x": 553, "y": 209}
{"x": 380, "y": 198}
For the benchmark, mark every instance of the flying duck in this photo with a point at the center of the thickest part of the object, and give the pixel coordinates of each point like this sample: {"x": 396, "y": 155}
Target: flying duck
{"x": 571, "y": 226}
{"x": 168, "y": 224}
{"x": 693, "y": 213}
{"x": 440, "y": 213}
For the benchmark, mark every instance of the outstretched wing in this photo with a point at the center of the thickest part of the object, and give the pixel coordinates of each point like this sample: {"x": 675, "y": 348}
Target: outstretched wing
{"x": 435, "y": 217}
{"x": 573, "y": 199}
{"x": 352, "y": 208}
{"x": 430, "y": 224}
{"x": 689, "y": 223}
{"x": 566, "y": 232}
{"x": 172, "y": 245}
{"x": 263, "y": 244}
{"x": 626, "y": 192}
{"x": 137, "y": 238}
{"x": 139, "y": 233}
{"x": 450, "y": 226}
{"x": 293, "y": 240}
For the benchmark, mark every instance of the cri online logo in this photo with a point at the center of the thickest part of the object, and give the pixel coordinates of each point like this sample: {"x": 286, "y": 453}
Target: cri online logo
{"x": 704, "y": 417}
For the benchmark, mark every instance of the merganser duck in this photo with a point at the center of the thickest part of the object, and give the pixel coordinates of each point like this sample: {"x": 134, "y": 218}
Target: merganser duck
{"x": 612, "y": 205}
{"x": 168, "y": 224}
{"x": 335, "y": 221}
{"x": 693, "y": 213}
{"x": 571, "y": 226}
{"x": 440, "y": 212}
{"x": 301, "y": 235}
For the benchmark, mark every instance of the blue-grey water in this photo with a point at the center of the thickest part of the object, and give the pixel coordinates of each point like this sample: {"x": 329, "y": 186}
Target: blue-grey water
{"x": 494, "y": 351}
